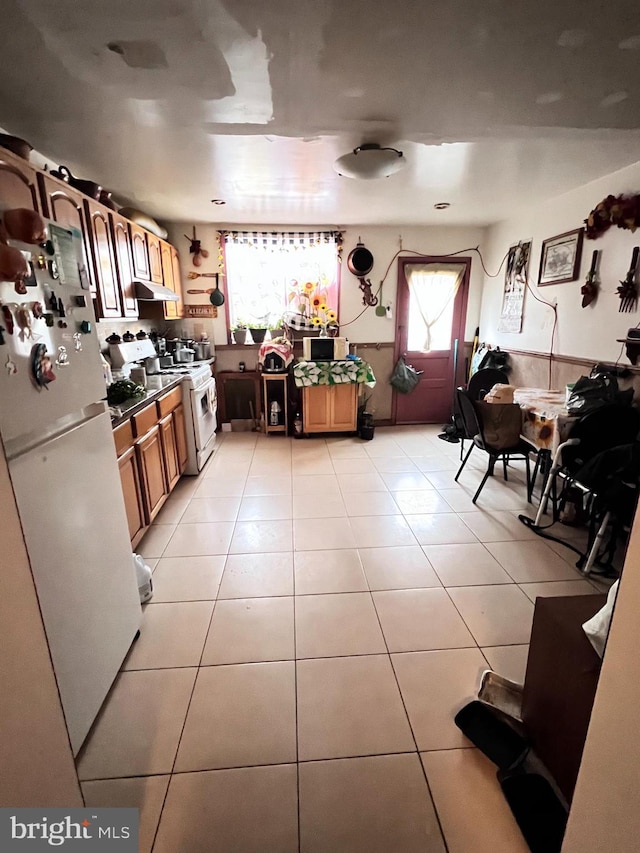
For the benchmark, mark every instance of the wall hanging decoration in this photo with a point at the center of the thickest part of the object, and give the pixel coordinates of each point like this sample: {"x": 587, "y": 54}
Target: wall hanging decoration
{"x": 589, "y": 289}
{"x": 623, "y": 211}
{"x": 515, "y": 283}
{"x": 360, "y": 264}
{"x": 195, "y": 249}
{"x": 627, "y": 291}
{"x": 560, "y": 258}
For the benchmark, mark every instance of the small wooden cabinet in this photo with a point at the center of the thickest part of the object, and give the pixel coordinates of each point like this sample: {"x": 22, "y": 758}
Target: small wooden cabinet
{"x": 132, "y": 493}
{"x": 330, "y": 408}
{"x": 139, "y": 252}
{"x": 152, "y": 455}
{"x": 124, "y": 263}
{"x": 18, "y": 183}
{"x": 275, "y": 390}
{"x": 172, "y": 279}
{"x": 103, "y": 256}
{"x": 155, "y": 261}
{"x": 152, "y": 471}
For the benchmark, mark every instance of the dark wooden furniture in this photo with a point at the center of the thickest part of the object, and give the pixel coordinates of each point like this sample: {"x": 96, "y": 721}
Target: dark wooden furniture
{"x": 560, "y": 684}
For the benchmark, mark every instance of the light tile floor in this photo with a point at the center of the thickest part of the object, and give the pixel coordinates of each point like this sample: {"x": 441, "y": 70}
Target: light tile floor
{"x": 322, "y": 609}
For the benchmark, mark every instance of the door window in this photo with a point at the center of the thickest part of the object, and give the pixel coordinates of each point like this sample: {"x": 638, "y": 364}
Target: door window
{"x": 432, "y": 291}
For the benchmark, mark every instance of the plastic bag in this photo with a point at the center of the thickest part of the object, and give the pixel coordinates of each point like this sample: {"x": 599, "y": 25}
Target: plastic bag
{"x": 404, "y": 377}
{"x": 591, "y": 393}
{"x": 597, "y": 628}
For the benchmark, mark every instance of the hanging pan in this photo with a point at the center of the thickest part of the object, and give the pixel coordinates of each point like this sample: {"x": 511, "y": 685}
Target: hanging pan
{"x": 216, "y": 297}
{"x": 360, "y": 264}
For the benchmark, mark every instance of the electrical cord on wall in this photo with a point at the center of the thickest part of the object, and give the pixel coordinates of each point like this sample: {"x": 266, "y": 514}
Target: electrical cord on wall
{"x": 475, "y": 249}
{"x": 554, "y": 308}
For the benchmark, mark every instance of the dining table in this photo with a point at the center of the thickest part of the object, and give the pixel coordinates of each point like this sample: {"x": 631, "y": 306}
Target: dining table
{"x": 546, "y": 423}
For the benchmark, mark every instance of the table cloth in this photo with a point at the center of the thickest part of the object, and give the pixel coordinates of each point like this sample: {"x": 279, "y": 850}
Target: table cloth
{"x": 307, "y": 373}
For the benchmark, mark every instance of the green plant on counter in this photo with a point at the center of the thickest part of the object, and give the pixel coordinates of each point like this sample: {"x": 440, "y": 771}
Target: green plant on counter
{"x": 240, "y": 324}
{"x": 123, "y": 390}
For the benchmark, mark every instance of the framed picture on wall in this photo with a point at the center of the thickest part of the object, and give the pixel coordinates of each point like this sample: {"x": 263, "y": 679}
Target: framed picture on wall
{"x": 560, "y": 258}
{"x": 515, "y": 285}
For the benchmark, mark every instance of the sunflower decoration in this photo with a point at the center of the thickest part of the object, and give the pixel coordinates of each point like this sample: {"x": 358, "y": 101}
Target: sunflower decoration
{"x": 309, "y": 287}
{"x": 316, "y": 321}
{"x": 331, "y": 316}
{"x": 316, "y": 302}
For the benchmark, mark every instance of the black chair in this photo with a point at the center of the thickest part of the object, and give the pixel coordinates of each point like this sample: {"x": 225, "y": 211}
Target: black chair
{"x": 478, "y": 387}
{"x": 483, "y": 381}
{"x": 474, "y": 428}
{"x": 594, "y": 433}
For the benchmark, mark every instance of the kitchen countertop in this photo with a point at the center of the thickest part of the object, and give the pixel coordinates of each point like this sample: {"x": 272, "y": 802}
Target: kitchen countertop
{"x": 156, "y": 387}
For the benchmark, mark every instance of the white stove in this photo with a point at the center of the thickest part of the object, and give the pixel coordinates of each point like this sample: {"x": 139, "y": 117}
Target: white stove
{"x": 201, "y": 408}
{"x": 198, "y": 372}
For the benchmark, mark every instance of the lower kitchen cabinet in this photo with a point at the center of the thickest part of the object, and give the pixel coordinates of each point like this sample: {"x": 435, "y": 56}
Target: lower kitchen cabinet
{"x": 152, "y": 471}
{"x": 152, "y": 455}
{"x": 330, "y": 408}
{"x": 169, "y": 450}
{"x": 181, "y": 437}
{"x": 132, "y": 493}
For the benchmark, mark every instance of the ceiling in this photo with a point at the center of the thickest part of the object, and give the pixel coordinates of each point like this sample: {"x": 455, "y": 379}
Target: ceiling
{"x": 171, "y": 103}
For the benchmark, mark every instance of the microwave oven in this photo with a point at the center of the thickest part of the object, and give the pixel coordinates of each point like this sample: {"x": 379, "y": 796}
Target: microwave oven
{"x": 325, "y": 349}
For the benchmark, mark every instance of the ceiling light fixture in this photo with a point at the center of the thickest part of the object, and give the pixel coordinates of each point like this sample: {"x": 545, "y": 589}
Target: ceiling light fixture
{"x": 218, "y": 201}
{"x": 442, "y": 205}
{"x": 370, "y": 161}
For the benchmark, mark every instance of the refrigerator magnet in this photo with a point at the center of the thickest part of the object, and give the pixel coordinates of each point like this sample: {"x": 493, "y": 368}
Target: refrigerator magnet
{"x": 2, "y": 340}
{"x": 63, "y": 357}
{"x": 41, "y": 367}
{"x": 10, "y": 366}
{"x": 7, "y": 318}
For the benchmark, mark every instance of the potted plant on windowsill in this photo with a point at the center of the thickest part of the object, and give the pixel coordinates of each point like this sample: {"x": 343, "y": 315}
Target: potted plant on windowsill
{"x": 257, "y": 332}
{"x": 276, "y": 329}
{"x": 240, "y": 332}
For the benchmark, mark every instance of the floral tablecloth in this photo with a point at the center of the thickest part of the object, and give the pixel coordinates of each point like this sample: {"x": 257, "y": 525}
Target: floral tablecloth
{"x": 545, "y": 420}
{"x": 307, "y": 373}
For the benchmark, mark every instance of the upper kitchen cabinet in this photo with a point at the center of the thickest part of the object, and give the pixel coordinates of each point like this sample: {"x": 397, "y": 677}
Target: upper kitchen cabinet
{"x": 139, "y": 252}
{"x": 172, "y": 280}
{"x": 155, "y": 260}
{"x": 65, "y": 206}
{"x": 105, "y": 270}
{"x": 124, "y": 263}
{"x": 18, "y": 183}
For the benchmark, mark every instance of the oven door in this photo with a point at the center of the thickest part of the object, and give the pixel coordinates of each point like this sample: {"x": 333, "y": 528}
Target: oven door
{"x": 204, "y": 409}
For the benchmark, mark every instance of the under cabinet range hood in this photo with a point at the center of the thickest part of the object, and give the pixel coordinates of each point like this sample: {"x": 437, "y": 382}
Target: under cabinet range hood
{"x": 147, "y": 292}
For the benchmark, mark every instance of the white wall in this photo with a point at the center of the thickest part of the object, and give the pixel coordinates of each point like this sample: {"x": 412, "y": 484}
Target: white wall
{"x": 382, "y": 241}
{"x": 582, "y": 332}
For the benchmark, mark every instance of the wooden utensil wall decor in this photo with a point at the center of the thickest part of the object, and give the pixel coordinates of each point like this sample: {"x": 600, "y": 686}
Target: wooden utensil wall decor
{"x": 195, "y": 249}
{"x": 589, "y": 289}
{"x": 628, "y": 291}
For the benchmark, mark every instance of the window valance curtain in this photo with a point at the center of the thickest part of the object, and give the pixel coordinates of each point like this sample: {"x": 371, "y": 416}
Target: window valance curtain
{"x": 283, "y": 241}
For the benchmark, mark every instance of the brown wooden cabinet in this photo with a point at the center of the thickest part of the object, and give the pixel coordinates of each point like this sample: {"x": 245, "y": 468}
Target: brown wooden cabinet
{"x": 18, "y": 183}
{"x": 152, "y": 454}
{"x": 132, "y": 493}
{"x": 139, "y": 252}
{"x": 169, "y": 450}
{"x": 172, "y": 279}
{"x": 124, "y": 264}
{"x": 181, "y": 437}
{"x": 105, "y": 271}
{"x": 155, "y": 261}
{"x": 65, "y": 206}
{"x": 330, "y": 408}
{"x": 152, "y": 472}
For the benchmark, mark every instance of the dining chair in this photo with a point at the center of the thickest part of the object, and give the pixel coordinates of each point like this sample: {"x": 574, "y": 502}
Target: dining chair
{"x": 593, "y": 433}
{"x": 475, "y": 428}
{"x": 478, "y": 387}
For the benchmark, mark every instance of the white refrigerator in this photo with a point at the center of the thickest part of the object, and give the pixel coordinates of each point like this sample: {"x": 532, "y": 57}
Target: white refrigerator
{"x": 56, "y": 436}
